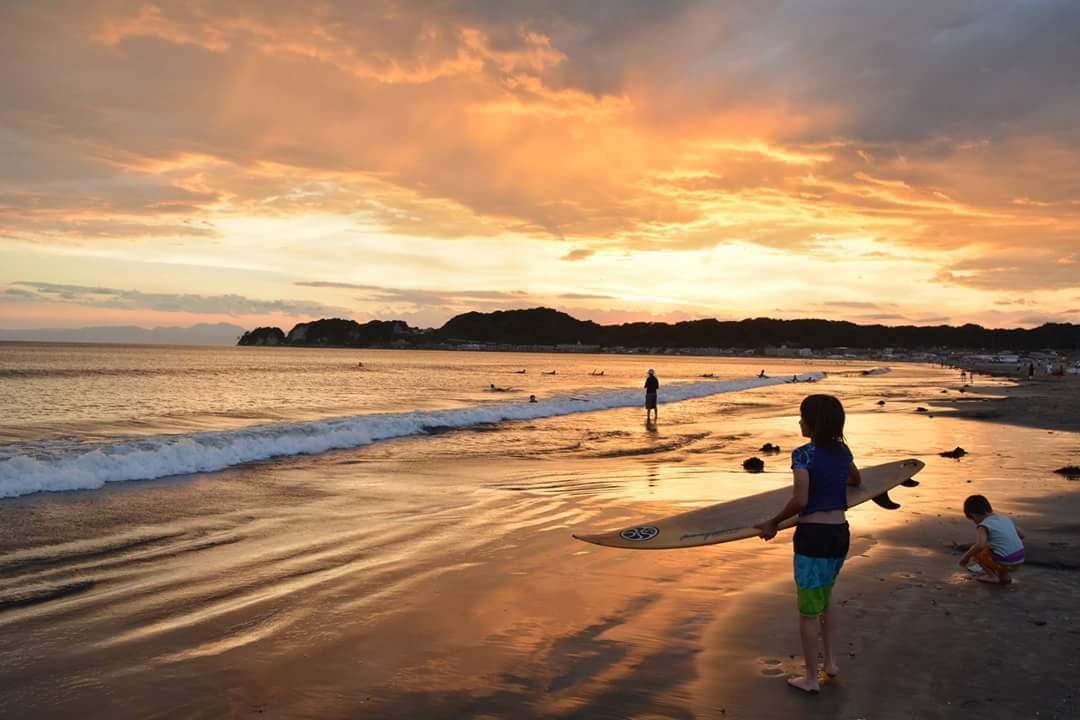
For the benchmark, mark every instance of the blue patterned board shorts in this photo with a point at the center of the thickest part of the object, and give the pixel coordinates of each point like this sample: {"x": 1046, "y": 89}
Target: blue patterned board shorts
{"x": 820, "y": 551}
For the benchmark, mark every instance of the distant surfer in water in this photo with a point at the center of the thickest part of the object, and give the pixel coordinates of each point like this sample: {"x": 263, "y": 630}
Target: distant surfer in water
{"x": 652, "y": 385}
{"x": 823, "y": 470}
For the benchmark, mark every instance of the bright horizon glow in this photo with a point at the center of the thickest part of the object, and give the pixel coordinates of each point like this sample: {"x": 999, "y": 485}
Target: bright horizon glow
{"x": 260, "y": 164}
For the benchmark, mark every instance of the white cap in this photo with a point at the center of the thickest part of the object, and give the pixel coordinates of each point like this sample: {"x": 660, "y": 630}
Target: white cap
{"x": 651, "y": 371}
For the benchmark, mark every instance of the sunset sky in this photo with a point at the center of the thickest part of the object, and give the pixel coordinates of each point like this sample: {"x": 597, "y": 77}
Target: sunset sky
{"x": 262, "y": 162}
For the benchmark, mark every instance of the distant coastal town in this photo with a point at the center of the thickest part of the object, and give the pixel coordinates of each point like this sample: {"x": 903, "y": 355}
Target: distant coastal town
{"x": 1052, "y": 349}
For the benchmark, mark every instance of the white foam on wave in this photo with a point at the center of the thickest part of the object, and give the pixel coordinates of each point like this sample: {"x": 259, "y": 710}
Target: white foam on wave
{"x": 40, "y": 468}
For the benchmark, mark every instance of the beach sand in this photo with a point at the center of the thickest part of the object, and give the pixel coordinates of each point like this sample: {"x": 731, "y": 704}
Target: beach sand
{"x": 1045, "y": 402}
{"x": 256, "y": 594}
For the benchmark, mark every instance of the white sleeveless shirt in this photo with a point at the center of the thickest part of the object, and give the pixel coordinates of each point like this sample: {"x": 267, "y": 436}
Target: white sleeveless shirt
{"x": 1004, "y": 540}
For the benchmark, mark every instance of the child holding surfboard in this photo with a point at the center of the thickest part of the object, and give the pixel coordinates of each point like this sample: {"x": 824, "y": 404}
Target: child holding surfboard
{"x": 823, "y": 469}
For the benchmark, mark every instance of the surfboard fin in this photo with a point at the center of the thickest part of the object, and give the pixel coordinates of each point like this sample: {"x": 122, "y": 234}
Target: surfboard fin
{"x": 910, "y": 483}
{"x": 883, "y": 500}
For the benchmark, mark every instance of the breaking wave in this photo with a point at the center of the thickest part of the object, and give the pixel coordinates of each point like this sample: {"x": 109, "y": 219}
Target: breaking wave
{"x": 43, "y": 467}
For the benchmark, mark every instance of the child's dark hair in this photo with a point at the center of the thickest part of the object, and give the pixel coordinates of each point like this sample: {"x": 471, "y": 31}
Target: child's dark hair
{"x": 824, "y": 416}
{"x": 977, "y": 505}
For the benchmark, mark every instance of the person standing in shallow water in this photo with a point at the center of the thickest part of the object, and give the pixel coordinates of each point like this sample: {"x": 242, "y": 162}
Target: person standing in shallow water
{"x": 823, "y": 469}
{"x": 652, "y": 386}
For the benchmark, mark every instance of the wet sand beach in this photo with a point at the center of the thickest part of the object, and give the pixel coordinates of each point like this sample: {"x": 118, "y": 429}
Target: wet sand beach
{"x": 436, "y": 577}
{"x": 1046, "y": 402}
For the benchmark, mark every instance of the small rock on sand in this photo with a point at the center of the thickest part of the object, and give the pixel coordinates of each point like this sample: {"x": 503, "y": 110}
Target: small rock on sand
{"x": 957, "y": 452}
{"x": 754, "y": 465}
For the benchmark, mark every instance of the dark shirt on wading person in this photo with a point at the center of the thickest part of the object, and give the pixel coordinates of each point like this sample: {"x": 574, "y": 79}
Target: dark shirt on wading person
{"x": 651, "y": 383}
{"x": 828, "y": 468}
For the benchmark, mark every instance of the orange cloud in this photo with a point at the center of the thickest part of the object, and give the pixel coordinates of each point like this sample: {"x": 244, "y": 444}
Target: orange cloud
{"x": 614, "y": 128}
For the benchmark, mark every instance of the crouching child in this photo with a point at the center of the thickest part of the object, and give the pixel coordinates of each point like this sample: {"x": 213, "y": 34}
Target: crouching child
{"x": 998, "y": 548}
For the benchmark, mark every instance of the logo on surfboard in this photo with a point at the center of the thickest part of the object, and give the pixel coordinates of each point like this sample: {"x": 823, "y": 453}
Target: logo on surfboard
{"x": 645, "y": 532}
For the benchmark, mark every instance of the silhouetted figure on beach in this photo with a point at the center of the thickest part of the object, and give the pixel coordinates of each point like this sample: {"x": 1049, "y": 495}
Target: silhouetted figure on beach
{"x": 652, "y": 386}
{"x": 761, "y": 374}
{"x": 1031, "y": 371}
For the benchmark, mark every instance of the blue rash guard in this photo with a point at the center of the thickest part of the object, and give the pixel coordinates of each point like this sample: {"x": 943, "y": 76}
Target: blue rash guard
{"x": 828, "y": 468}
{"x": 821, "y": 548}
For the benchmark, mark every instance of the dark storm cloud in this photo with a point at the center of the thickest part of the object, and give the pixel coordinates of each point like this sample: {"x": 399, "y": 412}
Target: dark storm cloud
{"x": 898, "y": 71}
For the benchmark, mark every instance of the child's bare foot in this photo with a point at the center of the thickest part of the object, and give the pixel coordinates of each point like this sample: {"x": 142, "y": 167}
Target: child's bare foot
{"x": 805, "y": 684}
{"x": 832, "y": 669}
{"x": 992, "y": 580}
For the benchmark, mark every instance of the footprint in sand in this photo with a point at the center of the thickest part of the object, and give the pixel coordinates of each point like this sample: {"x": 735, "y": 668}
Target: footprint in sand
{"x": 773, "y": 669}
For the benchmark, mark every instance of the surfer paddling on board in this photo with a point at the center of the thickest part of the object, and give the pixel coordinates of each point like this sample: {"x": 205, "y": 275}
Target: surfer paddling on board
{"x": 652, "y": 385}
{"x": 823, "y": 468}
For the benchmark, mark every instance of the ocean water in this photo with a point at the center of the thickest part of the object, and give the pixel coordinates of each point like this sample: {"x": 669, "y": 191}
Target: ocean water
{"x": 80, "y": 416}
{"x": 276, "y": 532}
